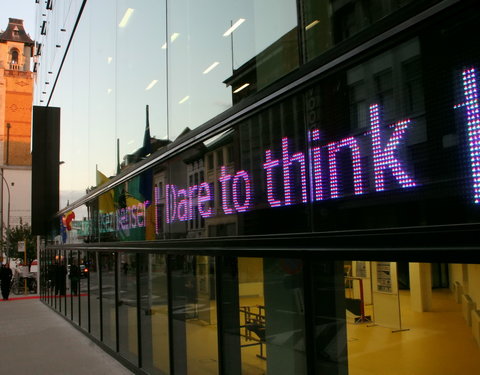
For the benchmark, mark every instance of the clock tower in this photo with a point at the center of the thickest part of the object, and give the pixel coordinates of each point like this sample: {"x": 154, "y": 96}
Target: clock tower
{"x": 16, "y": 98}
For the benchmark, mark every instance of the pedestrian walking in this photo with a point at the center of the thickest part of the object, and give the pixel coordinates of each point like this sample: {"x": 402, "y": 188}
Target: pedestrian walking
{"x": 74, "y": 277}
{"x": 5, "y": 280}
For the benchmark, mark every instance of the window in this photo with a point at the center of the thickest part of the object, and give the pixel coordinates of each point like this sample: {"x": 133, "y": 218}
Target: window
{"x": 14, "y": 59}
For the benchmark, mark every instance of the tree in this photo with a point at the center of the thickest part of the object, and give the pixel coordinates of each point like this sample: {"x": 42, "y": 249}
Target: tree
{"x": 13, "y": 235}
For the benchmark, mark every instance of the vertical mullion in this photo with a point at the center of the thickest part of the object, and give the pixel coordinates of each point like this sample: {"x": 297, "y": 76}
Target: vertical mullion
{"x": 170, "y": 314}
{"x": 117, "y": 326}
{"x": 66, "y": 282}
{"x": 88, "y": 292}
{"x": 300, "y": 33}
{"x": 308, "y": 316}
{"x": 79, "y": 289}
{"x": 100, "y": 290}
{"x": 139, "y": 320}
{"x": 228, "y": 316}
{"x": 219, "y": 300}
{"x": 71, "y": 295}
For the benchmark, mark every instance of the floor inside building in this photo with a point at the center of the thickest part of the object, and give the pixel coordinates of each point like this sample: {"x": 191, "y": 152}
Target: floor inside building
{"x": 437, "y": 342}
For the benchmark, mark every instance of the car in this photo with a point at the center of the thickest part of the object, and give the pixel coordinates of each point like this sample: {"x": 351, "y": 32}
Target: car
{"x": 83, "y": 271}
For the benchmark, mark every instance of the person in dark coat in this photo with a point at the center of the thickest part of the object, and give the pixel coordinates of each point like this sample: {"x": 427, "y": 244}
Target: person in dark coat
{"x": 74, "y": 278}
{"x": 5, "y": 280}
{"x": 60, "y": 279}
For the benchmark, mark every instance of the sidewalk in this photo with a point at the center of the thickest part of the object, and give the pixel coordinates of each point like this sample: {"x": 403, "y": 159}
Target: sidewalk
{"x": 35, "y": 340}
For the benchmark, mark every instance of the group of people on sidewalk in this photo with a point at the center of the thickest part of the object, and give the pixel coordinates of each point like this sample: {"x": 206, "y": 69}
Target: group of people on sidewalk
{"x": 6, "y": 276}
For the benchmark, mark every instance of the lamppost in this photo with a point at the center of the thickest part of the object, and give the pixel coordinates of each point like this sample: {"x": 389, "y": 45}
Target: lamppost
{"x": 8, "y": 190}
{"x": 8, "y": 207}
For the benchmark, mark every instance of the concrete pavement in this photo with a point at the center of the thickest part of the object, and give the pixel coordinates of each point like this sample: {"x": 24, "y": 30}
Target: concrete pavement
{"x": 34, "y": 340}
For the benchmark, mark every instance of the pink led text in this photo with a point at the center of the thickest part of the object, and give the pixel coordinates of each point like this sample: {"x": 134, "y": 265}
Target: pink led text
{"x": 323, "y": 165}
{"x": 471, "y": 104}
{"x": 181, "y": 203}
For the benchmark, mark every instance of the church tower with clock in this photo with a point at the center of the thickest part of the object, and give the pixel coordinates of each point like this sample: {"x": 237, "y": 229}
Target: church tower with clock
{"x": 16, "y": 99}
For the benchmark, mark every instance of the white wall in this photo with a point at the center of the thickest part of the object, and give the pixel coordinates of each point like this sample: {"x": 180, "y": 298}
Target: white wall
{"x": 19, "y": 183}
{"x": 469, "y": 277}
{"x": 474, "y": 283}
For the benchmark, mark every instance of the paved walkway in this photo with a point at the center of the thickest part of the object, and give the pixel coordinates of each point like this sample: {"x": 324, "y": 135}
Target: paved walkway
{"x": 35, "y": 340}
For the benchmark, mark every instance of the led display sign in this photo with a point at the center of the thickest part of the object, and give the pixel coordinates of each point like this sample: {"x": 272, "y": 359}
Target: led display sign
{"x": 310, "y": 175}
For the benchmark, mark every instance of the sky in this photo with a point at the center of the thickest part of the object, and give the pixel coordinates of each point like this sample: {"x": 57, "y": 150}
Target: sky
{"x": 109, "y": 100}
{"x": 22, "y": 9}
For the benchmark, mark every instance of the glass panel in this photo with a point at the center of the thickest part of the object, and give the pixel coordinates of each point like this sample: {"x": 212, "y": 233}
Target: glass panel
{"x": 217, "y": 58}
{"x": 328, "y": 302}
{"x": 327, "y": 23}
{"x": 99, "y": 64}
{"x": 271, "y": 306}
{"x": 194, "y": 315}
{"x": 108, "y": 266}
{"x": 50, "y": 276}
{"x": 85, "y": 266}
{"x": 320, "y": 161}
{"x": 214, "y": 192}
{"x": 68, "y": 295}
{"x": 72, "y": 96}
{"x": 154, "y": 307}
{"x": 53, "y": 260}
{"x": 140, "y": 79}
{"x": 423, "y": 314}
{"x": 109, "y": 76}
{"x": 42, "y": 273}
{"x": 94, "y": 295}
{"x": 75, "y": 277}
{"x": 127, "y": 306}
{"x": 125, "y": 212}
{"x": 60, "y": 280}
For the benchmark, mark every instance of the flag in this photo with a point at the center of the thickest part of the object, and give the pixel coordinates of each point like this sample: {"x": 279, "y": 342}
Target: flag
{"x": 67, "y": 220}
{"x": 105, "y": 201}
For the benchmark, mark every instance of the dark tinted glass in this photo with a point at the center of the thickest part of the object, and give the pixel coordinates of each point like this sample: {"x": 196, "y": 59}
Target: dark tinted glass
{"x": 108, "y": 266}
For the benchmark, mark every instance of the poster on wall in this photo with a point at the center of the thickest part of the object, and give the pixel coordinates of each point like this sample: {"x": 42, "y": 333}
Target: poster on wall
{"x": 361, "y": 269}
{"x": 384, "y": 277}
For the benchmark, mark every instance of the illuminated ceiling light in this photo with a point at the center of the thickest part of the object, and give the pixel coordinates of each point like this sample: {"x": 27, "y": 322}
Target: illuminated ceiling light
{"x": 234, "y": 26}
{"x": 151, "y": 84}
{"x": 241, "y": 87}
{"x": 109, "y": 91}
{"x": 213, "y": 66}
{"x": 164, "y": 45}
{"x": 109, "y": 59}
{"x": 184, "y": 100}
{"x": 311, "y": 24}
{"x": 126, "y": 17}
{"x": 174, "y": 36}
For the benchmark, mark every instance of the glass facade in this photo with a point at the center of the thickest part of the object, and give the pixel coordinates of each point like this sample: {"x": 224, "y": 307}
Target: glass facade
{"x": 244, "y": 315}
{"x": 267, "y": 187}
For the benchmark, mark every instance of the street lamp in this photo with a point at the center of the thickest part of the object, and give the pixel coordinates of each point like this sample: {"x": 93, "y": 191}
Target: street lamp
{"x": 8, "y": 207}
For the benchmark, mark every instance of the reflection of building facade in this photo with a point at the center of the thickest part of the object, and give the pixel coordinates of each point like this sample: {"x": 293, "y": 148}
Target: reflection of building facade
{"x": 16, "y": 97}
{"x": 339, "y": 188}
{"x": 220, "y": 154}
{"x": 196, "y": 175}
